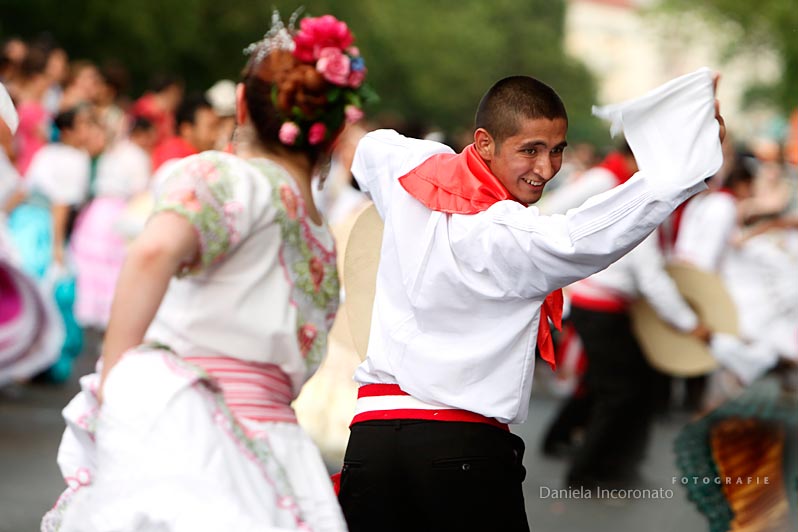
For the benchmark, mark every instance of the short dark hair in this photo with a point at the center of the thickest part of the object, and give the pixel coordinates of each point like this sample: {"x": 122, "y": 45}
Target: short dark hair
{"x": 35, "y": 62}
{"x": 140, "y": 123}
{"x": 66, "y": 119}
{"x": 740, "y": 172}
{"x": 187, "y": 111}
{"x": 116, "y": 76}
{"x": 513, "y": 98}
{"x": 163, "y": 80}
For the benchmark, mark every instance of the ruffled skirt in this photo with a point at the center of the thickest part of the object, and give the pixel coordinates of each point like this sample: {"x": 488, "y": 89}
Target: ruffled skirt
{"x": 98, "y": 250}
{"x": 164, "y": 453}
{"x": 31, "y": 332}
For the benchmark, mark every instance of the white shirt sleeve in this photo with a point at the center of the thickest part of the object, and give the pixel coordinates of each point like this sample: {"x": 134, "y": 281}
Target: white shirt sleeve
{"x": 593, "y": 182}
{"x": 659, "y": 289}
{"x": 383, "y": 156}
{"x": 530, "y": 255}
{"x": 674, "y": 136}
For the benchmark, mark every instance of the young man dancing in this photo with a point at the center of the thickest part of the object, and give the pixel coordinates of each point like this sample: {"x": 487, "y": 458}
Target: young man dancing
{"x": 469, "y": 275}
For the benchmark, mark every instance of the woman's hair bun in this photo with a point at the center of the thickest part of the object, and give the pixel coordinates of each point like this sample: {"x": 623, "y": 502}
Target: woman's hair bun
{"x": 303, "y": 85}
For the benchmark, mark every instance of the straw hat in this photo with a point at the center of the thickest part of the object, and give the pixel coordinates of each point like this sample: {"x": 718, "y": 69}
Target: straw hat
{"x": 677, "y": 353}
{"x": 360, "y": 275}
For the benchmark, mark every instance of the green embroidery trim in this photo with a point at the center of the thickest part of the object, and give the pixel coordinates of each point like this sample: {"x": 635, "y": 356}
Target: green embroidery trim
{"x": 203, "y": 202}
{"x": 321, "y": 295}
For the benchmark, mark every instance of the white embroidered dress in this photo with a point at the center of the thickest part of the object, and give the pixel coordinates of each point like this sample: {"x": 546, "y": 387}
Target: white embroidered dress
{"x": 167, "y": 451}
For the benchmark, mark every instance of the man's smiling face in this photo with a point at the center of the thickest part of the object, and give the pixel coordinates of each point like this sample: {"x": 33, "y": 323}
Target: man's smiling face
{"x": 526, "y": 161}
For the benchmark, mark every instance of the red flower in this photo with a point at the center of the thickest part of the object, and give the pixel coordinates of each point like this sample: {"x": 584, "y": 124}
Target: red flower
{"x": 352, "y": 114}
{"x": 320, "y": 32}
{"x": 289, "y": 201}
{"x": 317, "y": 133}
{"x": 316, "y": 268}
{"x": 356, "y": 78}
{"x": 306, "y": 336}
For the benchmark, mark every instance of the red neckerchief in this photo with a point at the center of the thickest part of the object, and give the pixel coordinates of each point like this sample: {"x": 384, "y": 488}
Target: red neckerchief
{"x": 616, "y": 163}
{"x": 463, "y": 184}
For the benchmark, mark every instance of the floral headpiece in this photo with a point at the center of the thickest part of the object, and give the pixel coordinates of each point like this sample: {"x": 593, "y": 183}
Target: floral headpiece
{"x": 339, "y": 93}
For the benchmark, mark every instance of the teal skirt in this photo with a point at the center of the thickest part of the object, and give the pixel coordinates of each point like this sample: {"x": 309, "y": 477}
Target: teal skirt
{"x": 31, "y": 229}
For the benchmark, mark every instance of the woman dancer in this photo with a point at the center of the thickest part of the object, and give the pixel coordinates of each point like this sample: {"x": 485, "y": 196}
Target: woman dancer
{"x": 30, "y": 327}
{"x": 57, "y": 182}
{"x": 98, "y": 243}
{"x": 221, "y": 313}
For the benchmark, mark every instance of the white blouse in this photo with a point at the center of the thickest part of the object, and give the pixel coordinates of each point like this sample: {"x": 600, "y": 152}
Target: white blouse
{"x": 705, "y": 233}
{"x": 61, "y": 173}
{"x": 266, "y": 288}
{"x": 123, "y": 171}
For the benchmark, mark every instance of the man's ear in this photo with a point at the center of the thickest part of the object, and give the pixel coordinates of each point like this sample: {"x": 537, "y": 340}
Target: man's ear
{"x": 484, "y": 144}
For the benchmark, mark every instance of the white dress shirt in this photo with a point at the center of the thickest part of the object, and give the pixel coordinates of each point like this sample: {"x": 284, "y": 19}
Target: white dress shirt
{"x": 705, "y": 232}
{"x": 457, "y": 301}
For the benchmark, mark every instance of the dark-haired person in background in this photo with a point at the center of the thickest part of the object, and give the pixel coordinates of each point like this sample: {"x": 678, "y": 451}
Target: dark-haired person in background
{"x": 159, "y": 104}
{"x": 469, "y": 275}
{"x": 759, "y": 275}
{"x": 196, "y": 130}
{"x": 57, "y": 182}
{"x": 34, "y": 118}
{"x": 98, "y": 242}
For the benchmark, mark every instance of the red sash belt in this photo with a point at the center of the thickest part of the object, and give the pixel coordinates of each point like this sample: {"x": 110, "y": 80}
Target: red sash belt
{"x": 388, "y": 401}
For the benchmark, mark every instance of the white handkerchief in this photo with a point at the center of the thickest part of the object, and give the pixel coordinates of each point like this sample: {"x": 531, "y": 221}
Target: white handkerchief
{"x": 7, "y": 112}
{"x": 672, "y": 130}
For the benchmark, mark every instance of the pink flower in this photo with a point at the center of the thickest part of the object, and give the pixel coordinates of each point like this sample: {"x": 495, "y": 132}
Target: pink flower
{"x": 334, "y": 65}
{"x": 354, "y": 51}
{"x": 316, "y": 268}
{"x": 318, "y": 33}
{"x": 317, "y": 133}
{"x": 352, "y": 114}
{"x": 306, "y": 336}
{"x": 231, "y": 210}
{"x": 288, "y": 134}
{"x": 289, "y": 200}
{"x": 187, "y": 198}
{"x": 205, "y": 169}
{"x": 356, "y": 78}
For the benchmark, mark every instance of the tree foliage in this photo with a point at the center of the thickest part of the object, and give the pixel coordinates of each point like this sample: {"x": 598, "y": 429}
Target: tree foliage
{"x": 766, "y": 22}
{"x": 429, "y": 61}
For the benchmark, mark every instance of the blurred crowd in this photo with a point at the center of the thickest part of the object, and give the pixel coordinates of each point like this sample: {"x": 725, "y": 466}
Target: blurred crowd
{"x": 76, "y": 180}
{"x": 76, "y": 174}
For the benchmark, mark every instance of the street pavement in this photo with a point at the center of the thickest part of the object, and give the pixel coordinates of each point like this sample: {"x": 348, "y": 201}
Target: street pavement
{"x": 31, "y": 426}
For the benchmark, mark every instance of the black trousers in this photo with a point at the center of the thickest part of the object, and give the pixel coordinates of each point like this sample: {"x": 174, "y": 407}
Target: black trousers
{"x": 436, "y": 476}
{"x": 621, "y": 387}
